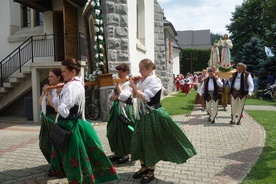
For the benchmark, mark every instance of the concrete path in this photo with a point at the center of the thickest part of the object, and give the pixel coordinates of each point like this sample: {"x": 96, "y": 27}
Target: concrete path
{"x": 226, "y": 153}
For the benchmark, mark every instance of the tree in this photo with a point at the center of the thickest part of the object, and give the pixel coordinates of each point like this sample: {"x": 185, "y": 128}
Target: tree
{"x": 252, "y": 54}
{"x": 246, "y": 22}
{"x": 215, "y": 38}
{"x": 199, "y": 61}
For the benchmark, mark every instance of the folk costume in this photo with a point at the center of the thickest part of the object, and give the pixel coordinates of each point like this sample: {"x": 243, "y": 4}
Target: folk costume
{"x": 47, "y": 119}
{"x": 156, "y": 136}
{"x": 241, "y": 86}
{"x": 177, "y": 82}
{"x": 119, "y": 134}
{"x": 210, "y": 89}
{"x": 187, "y": 85}
{"x": 84, "y": 160}
{"x": 225, "y": 96}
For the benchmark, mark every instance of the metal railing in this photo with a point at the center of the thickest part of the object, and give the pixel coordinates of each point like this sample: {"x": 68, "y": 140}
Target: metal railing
{"x": 40, "y": 46}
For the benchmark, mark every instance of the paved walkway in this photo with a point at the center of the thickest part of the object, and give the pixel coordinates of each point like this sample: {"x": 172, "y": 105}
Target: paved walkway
{"x": 226, "y": 153}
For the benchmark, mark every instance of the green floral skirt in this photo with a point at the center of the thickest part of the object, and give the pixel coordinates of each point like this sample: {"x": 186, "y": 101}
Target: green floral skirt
{"x": 45, "y": 146}
{"x": 157, "y": 137}
{"x": 84, "y": 161}
{"x": 118, "y": 134}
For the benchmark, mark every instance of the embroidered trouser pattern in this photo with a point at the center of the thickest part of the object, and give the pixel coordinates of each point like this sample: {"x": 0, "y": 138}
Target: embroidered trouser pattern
{"x": 212, "y": 108}
{"x": 237, "y": 105}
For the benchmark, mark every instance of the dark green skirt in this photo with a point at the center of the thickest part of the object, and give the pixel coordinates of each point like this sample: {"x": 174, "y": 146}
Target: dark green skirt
{"x": 84, "y": 161}
{"x": 45, "y": 146}
{"x": 118, "y": 134}
{"x": 157, "y": 137}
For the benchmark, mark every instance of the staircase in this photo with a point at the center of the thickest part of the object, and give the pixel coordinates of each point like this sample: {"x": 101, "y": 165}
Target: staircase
{"x": 15, "y": 69}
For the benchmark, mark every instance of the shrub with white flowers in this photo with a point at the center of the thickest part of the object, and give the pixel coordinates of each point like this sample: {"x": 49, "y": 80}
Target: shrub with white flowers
{"x": 99, "y": 40}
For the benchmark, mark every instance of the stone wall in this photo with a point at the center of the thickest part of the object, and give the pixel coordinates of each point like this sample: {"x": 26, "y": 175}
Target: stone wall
{"x": 117, "y": 46}
{"x": 164, "y": 67}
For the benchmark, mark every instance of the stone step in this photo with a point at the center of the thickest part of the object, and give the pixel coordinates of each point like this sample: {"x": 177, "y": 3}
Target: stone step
{"x": 8, "y": 85}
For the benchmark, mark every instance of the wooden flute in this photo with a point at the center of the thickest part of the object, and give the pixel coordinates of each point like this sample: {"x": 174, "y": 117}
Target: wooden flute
{"x": 94, "y": 83}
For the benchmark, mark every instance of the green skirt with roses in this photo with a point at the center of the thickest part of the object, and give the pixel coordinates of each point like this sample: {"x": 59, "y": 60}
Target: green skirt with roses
{"x": 84, "y": 160}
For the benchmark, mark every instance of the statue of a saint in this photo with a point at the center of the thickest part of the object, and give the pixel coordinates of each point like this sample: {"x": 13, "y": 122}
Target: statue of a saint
{"x": 214, "y": 56}
{"x": 225, "y": 52}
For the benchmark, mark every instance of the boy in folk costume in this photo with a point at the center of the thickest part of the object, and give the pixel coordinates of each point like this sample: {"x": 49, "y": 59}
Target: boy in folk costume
{"x": 241, "y": 87}
{"x": 210, "y": 89}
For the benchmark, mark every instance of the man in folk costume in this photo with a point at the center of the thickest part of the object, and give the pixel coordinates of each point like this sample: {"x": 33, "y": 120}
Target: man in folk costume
{"x": 241, "y": 87}
{"x": 210, "y": 89}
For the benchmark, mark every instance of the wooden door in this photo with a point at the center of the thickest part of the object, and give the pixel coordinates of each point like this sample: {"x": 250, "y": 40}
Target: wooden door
{"x": 70, "y": 30}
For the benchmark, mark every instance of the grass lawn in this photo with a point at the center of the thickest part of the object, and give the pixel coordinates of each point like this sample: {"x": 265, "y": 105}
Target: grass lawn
{"x": 179, "y": 103}
{"x": 257, "y": 101}
{"x": 265, "y": 169}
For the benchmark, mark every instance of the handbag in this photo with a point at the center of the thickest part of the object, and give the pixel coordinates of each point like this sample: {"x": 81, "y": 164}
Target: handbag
{"x": 60, "y": 137}
{"x": 124, "y": 119}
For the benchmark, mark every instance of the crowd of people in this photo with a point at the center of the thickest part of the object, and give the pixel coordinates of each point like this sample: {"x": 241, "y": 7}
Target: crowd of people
{"x": 149, "y": 135}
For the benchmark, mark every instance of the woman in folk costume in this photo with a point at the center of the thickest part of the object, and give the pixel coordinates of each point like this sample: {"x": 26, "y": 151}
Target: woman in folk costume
{"x": 225, "y": 52}
{"x": 84, "y": 160}
{"x": 156, "y": 136}
{"x": 187, "y": 84}
{"x": 48, "y": 114}
{"x": 214, "y": 56}
{"x": 119, "y": 133}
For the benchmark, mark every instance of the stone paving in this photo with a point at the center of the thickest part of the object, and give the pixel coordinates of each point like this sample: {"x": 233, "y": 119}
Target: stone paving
{"x": 226, "y": 153}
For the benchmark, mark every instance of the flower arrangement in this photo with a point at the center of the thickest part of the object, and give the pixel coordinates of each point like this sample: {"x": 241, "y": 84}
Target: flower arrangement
{"x": 225, "y": 67}
{"x": 99, "y": 40}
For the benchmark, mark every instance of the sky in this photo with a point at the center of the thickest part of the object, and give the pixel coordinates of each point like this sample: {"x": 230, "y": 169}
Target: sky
{"x": 199, "y": 14}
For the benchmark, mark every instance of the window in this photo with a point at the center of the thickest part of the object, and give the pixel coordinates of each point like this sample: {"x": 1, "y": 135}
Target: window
{"x": 31, "y": 17}
{"x": 140, "y": 30}
{"x": 26, "y": 16}
{"x": 38, "y": 18}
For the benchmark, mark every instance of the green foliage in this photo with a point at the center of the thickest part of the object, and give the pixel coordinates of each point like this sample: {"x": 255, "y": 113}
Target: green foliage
{"x": 201, "y": 61}
{"x": 245, "y": 23}
{"x": 215, "y": 38}
{"x": 252, "y": 54}
{"x": 264, "y": 170}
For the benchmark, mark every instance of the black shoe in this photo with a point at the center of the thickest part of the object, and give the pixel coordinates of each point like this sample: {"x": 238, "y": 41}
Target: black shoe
{"x": 51, "y": 173}
{"x": 122, "y": 159}
{"x": 213, "y": 121}
{"x": 113, "y": 158}
{"x": 225, "y": 109}
{"x": 209, "y": 119}
{"x": 149, "y": 177}
{"x": 140, "y": 173}
{"x": 238, "y": 123}
{"x": 232, "y": 122}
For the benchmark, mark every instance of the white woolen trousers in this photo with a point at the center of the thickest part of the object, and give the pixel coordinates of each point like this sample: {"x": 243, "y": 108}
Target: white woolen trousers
{"x": 237, "y": 108}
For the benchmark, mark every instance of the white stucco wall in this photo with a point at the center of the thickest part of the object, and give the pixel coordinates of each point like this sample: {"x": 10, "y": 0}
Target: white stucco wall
{"x": 176, "y": 61}
{"x": 7, "y": 20}
{"x": 136, "y": 55}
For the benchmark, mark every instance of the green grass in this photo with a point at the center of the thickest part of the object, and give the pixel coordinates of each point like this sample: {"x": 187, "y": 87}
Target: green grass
{"x": 264, "y": 170}
{"x": 179, "y": 103}
{"x": 257, "y": 101}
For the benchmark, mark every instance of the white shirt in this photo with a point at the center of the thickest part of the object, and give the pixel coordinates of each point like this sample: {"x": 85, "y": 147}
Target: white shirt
{"x": 237, "y": 84}
{"x": 210, "y": 86}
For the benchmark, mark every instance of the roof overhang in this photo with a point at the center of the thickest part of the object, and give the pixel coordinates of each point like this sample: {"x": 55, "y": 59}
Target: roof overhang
{"x": 45, "y": 5}
{"x": 39, "y": 5}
